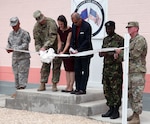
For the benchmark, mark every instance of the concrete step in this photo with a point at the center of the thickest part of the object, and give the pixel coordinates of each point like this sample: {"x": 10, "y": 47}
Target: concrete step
{"x": 59, "y": 103}
{"x": 60, "y": 97}
{"x": 95, "y": 107}
{"x": 3, "y": 99}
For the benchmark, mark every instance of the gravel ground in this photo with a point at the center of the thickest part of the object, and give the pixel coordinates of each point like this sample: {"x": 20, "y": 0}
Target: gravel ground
{"x": 13, "y": 116}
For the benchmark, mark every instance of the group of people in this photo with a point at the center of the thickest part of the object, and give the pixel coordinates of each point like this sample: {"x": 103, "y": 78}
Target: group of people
{"x": 64, "y": 40}
{"x": 71, "y": 40}
{"x": 113, "y": 72}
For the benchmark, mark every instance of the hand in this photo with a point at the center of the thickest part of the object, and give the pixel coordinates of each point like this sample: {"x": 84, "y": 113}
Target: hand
{"x": 58, "y": 51}
{"x": 42, "y": 49}
{"x": 72, "y": 51}
{"x": 76, "y": 51}
{"x": 101, "y": 54}
{"x": 118, "y": 51}
{"x": 62, "y": 52}
{"x": 116, "y": 55}
{"x": 9, "y": 50}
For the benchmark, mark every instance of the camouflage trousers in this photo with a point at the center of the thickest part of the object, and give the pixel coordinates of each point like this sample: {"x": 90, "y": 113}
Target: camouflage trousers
{"x": 21, "y": 71}
{"x": 113, "y": 92}
{"x": 135, "y": 93}
{"x": 56, "y": 68}
{"x": 112, "y": 84}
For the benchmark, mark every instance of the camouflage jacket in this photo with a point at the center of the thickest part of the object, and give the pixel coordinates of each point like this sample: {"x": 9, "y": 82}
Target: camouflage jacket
{"x": 19, "y": 41}
{"x": 112, "y": 41}
{"x": 137, "y": 54}
{"x": 45, "y": 35}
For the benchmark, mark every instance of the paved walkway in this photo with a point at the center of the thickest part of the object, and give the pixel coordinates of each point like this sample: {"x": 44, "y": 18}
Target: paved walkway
{"x": 10, "y": 116}
{"x": 13, "y": 116}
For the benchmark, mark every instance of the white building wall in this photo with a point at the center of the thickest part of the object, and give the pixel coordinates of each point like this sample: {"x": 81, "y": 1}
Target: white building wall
{"x": 121, "y": 11}
{"x": 24, "y": 10}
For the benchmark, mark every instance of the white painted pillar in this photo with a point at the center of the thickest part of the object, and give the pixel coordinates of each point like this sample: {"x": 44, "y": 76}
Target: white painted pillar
{"x": 96, "y": 66}
{"x": 125, "y": 80}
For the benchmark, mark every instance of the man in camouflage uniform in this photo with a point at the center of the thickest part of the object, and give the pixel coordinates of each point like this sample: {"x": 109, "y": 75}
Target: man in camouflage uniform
{"x": 112, "y": 71}
{"x": 137, "y": 70}
{"x": 19, "y": 39}
{"x": 45, "y": 36}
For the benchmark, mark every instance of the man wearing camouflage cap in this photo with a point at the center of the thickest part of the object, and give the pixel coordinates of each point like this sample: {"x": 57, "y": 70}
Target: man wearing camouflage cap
{"x": 19, "y": 39}
{"x": 112, "y": 71}
{"x": 45, "y": 36}
{"x": 137, "y": 70}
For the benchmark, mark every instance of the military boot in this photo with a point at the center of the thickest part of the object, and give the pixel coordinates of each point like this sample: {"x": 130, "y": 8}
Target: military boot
{"x": 108, "y": 113}
{"x": 135, "y": 119}
{"x": 54, "y": 87}
{"x": 130, "y": 117}
{"x": 42, "y": 87}
{"x": 115, "y": 114}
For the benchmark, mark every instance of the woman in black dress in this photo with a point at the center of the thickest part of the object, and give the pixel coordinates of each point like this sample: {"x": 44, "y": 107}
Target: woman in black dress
{"x": 64, "y": 37}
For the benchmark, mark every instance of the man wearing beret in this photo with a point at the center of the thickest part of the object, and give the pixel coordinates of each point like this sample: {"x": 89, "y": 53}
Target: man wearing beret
{"x": 137, "y": 70}
{"x": 45, "y": 36}
{"x": 112, "y": 71}
{"x": 19, "y": 39}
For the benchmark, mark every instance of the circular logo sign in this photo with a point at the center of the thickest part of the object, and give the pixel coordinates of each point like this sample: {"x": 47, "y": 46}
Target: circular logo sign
{"x": 92, "y": 12}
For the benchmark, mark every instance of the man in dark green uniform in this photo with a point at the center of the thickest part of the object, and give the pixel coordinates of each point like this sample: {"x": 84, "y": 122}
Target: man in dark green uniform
{"x": 112, "y": 71}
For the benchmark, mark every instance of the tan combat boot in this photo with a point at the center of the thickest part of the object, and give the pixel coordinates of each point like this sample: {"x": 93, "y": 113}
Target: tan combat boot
{"x": 130, "y": 117}
{"x": 54, "y": 87}
{"x": 135, "y": 119}
{"x": 42, "y": 87}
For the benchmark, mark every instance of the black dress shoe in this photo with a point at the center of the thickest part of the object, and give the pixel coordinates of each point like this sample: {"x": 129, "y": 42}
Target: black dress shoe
{"x": 63, "y": 90}
{"x": 80, "y": 92}
{"x": 66, "y": 91}
{"x": 74, "y": 92}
